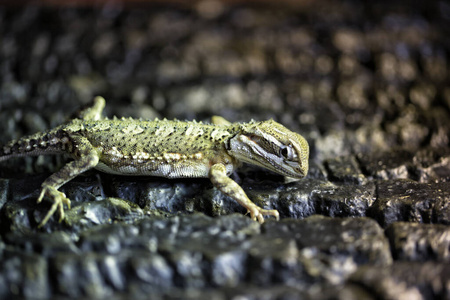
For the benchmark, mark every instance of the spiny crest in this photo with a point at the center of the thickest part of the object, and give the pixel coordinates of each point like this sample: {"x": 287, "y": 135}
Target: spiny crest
{"x": 251, "y": 126}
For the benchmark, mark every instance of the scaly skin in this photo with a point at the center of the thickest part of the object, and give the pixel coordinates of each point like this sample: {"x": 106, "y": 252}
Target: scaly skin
{"x": 171, "y": 149}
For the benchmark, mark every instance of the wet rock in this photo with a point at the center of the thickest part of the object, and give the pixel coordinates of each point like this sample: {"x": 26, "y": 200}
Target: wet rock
{"x": 150, "y": 273}
{"x": 345, "y": 169}
{"x": 365, "y": 83}
{"x": 411, "y": 280}
{"x": 360, "y": 240}
{"x": 294, "y": 200}
{"x": 424, "y": 165}
{"x": 3, "y": 192}
{"x": 42, "y": 243}
{"x": 18, "y": 216}
{"x": 406, "y": 200}
{"x": 386, "y": 165}
{"x": 23, "y": 275}
{"x": 108, "y": 239}
{"x": 408, "y": 128}
{"x": 104, "y": 211}
{"x": 199, "y": 252}
{"x": 307, "y": 197}
{"x": 431, "y": 165}
{"x": 278, "y": 292}
{"x": 419, "y": 242}
{"x": 90, "y": 275}
{"x": 24, "y": 214}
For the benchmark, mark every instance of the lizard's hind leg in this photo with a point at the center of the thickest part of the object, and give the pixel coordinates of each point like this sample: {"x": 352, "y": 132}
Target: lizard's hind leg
{"x": 87, "y": 158}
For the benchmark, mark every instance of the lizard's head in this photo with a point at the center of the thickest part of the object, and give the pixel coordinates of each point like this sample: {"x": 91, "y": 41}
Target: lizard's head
{"x": 272, "y": 146}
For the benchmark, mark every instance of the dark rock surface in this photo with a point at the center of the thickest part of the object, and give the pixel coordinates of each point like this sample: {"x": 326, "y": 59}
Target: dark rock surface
{"x": 366, "y": 84}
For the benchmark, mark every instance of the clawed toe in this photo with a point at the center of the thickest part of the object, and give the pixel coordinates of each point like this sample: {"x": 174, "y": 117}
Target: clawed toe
{"x": 257, "y": 214}
{"x": 58, "y": 198}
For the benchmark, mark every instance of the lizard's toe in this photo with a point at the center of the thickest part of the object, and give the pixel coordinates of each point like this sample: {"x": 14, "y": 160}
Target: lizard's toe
{"x": 65, "y": 201}
{"x": 255, "y": 215}
{"x": 41, "y": 196}
{"x": 267, "y": 212}
{"x": 58, "y": 198}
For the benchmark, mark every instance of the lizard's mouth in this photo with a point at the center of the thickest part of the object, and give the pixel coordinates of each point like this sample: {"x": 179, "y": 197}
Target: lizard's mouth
{"x": 278, "y": 165}
{"x": 256, "y": 151}
{"x": 296, "y": 169}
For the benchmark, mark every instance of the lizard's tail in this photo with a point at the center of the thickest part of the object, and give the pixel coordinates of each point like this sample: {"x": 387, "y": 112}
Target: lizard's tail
{"x": 49, "y": 142}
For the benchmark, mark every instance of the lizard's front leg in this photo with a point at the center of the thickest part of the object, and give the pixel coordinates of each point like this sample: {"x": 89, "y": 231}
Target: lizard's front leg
{"x": 229, "y": 187}
{"x": 94, "y": 112}
{"x": 87, "y": 158}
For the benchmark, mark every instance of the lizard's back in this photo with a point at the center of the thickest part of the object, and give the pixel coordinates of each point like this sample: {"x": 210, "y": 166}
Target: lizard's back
{"x": 161, "y": 147}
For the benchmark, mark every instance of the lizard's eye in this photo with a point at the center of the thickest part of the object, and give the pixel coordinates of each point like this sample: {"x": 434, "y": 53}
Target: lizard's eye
{"x": 288, "y": 153}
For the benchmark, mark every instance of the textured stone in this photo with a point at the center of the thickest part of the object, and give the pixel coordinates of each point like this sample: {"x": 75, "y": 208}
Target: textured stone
{"x": 386, "y": 165}
{"x": 405, "y": 280}
{"x": 23, "y": 275}
{"x": 339, "y": 235}
{"x": 87, "y": 275}
{"x": 366, "y": 83}
{"x": 406, "y": 200}
{"x": 431, "y": 165}
{"x": 419, "y": 242}
{"x": 42, "y": 243}
{"x": 345, "y": 169}
{"x": 308, "y": 197}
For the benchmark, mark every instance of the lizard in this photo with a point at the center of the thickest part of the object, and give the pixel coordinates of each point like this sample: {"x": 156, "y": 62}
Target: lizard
{"x": 164, "y": 148}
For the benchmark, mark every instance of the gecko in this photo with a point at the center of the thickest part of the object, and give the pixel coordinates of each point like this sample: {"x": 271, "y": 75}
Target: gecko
{"x": 164, "y": 148}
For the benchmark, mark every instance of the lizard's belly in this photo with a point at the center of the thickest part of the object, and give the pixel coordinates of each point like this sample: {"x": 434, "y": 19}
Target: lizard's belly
{"x": 160, "y": 170}
{"x": 177, "y": 170}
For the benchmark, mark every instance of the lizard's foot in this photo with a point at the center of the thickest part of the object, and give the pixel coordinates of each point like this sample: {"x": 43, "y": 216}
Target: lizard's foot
{"x": 257, "y": 213}
{"x": 59, "y": 199}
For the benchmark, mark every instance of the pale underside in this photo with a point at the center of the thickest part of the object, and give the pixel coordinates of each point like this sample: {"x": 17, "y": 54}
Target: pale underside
{"x": 180, "y": 170}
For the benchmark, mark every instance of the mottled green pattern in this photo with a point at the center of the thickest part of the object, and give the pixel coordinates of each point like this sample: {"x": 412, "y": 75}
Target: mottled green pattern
{"x": 172, "y": 149}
